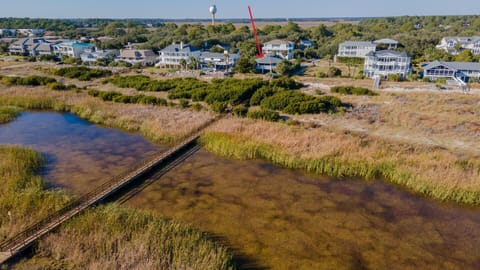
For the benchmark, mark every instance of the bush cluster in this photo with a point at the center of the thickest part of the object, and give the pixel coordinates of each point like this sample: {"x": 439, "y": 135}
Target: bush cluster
{"x": 351, "y": 90}
{"x": 264, "y": 114}
{"x": 293, "y": 102}
{"x": 144, "y": 83}
{"x": 30, "y": 80}
{"x": 120, "y": 98}
{"x": 82, "y": 73}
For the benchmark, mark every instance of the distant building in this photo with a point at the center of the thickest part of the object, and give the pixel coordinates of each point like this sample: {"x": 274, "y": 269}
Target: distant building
{"x": 7, "y": 32}
{"x": 42, "y": 49}
{"x": 454, "y": 45}
{"x": 356, "y": 48}
{"x": 92, "y": 56}
{"x": 142, "y": 57}
{"x": 385, "y": 63}
{"x": 222, "y": 61}
{"x": 172, "y": 55}
{"x": 460, "y": 70}
{"x": 282, "y": 48}
{"x": 31, "y": 32}
{"x": 26, "y": 46}
{"x": 267, "y": 63}
{"x": 71, "y": 49}
{"x": 306, "y": 43}
{"x": 388, "y": 43}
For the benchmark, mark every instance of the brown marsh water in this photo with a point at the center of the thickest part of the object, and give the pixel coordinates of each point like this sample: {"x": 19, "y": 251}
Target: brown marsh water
{"x": 281, "y": 219}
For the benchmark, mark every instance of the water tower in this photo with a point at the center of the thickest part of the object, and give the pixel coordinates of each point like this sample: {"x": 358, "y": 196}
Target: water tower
{"x": 213, "y": 11}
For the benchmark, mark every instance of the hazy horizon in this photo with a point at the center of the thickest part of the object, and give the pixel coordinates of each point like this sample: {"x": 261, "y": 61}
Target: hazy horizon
{"x": 266, "y": 9}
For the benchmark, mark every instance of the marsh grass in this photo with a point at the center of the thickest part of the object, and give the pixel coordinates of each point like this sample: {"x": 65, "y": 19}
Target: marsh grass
{"x": 107, "y": 237}
{"x": 429, "y": 171}
{"x": 112, "y": 237}
{"x": 8, "y": 113}
{"x": 22, "y": 192}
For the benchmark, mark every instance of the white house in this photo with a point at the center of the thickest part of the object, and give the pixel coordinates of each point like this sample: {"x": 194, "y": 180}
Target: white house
{"x": 267, "y": 63}
{"x": 282, "y": 48}
{"x": 385, "y": 63}
{"x": 216, "y": 61}
{"x": 455, "y": 45}
{"x": 460, "y": 70}
{"x": 387, "y": 42}
{"x": 356, "y": 48}
{"x": 172, "y": 55}
{"x": 71, "y": 49}
{"x": 92, "y": 56}
{"x": 142, "y": 57}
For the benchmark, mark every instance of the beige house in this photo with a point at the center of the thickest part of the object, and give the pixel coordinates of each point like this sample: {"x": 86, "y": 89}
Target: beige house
{"x": 143, "y": 57}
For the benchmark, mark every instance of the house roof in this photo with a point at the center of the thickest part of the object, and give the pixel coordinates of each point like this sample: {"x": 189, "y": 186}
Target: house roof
{"x": 464, "y": 40}
{"x": 137, "y": 53}
{"x": 278, "y": 41}
{"x": 386, "y": 53}
{"x": 217, "y": 55}
{"x": 186, "y": 48}
{"x": 76, "y": 44}
{"x": 454, "y": 65}
{"x": 357, "y": 43}
{"x": 44, "y": 47}
{"x": 267, "y": 60}
{"x": 386, "y": 41}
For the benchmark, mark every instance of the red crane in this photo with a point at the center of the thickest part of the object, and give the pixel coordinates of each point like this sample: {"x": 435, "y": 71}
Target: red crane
{"x": 259, "y": 48}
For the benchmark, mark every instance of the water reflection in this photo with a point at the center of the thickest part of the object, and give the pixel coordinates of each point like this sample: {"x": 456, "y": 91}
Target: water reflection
{"x": 79, "y": 154}
{"x": 285, "y": 219}
{"x": 277, "y": 218}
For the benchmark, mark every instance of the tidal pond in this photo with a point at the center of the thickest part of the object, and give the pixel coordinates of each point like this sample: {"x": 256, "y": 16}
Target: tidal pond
{"x": 272, "y": 217}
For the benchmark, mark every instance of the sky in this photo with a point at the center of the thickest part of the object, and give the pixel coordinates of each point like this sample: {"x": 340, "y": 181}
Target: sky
{"x": 198, "y": 9}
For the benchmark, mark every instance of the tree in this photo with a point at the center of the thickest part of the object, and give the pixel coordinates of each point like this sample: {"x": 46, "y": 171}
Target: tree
{"x": 334, "y": 72}
{"x": 245, "y": 64}
{"x": 284, "y": 68}
{"x": 465, "y": 56}
{"x": 183, "y": 63}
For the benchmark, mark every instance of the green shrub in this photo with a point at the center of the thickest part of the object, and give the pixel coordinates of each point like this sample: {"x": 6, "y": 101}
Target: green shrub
{"x": 395, "y": 78}
{"x": 240, "y": 111}
{"x": 197, "y": 106}
{"x": 263, "y": 114}
{"x": 219, "y": 107}
{"x": 184, "y": 103}
{"x": 30, "y": 80}
{"x": 351, "y": 90}
{"x": 334, "y": 72}
{"x": 82, "y": 73}
{"x": 56, "y": 86}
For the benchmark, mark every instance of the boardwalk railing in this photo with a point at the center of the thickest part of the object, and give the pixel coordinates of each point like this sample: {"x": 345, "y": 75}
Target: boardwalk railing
{"x": 33, "y": 232}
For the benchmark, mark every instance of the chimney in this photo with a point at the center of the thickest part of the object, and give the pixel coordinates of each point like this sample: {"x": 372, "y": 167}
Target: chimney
{"x": 181, "y": 45}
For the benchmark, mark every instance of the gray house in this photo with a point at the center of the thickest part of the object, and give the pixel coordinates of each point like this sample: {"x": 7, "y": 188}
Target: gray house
{"x": 25, "y": 46}
{"x": 385, "y": 63}
{"x": 459, "y": 70}
{"x": 267, "y": 63}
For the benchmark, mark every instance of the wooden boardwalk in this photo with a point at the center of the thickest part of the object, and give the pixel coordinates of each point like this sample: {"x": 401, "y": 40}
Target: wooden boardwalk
{"x": 24, "y": 239}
